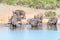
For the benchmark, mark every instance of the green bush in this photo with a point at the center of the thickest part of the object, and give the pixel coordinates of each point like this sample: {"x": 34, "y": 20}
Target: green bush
{"x": 0, "y": 1}
{"x": 58, "y": 4}
{"x": 50, "y": 6}
{"x": 4, "y": 1}
{"x": 50, "y": 14}
{"x": 10, "y": 2}
{"x": 32, "y": 3}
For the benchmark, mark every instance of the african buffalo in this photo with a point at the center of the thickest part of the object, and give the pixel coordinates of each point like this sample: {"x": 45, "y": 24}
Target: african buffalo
{"x": 52, "y": 21}
{"x": 33, "y": 22}
{"x": 36, "y": 21}
{"x": 15, "y": 20}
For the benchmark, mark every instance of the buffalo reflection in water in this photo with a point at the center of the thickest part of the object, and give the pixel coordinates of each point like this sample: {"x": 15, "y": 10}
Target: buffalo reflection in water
{"x": 39, "y": 27}
{"x": 52, "y": 27}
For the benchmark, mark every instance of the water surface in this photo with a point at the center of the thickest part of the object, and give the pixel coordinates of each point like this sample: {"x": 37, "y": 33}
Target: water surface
{"x": 44, "y": 34}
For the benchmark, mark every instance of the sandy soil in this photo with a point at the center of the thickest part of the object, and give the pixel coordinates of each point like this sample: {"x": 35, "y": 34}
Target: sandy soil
{"x": 6, "y": 12}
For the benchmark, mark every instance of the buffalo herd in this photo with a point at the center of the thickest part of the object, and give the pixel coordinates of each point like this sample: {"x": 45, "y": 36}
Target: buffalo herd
{"x": 36, "y": 21}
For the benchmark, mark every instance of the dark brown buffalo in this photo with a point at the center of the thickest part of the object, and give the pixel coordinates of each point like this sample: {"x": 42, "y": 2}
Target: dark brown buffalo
{"x": 33, "y": 22}
{"x": 52, "y": 21}
{"x": 15, "y": 20}
{"x": 36, "y": 21}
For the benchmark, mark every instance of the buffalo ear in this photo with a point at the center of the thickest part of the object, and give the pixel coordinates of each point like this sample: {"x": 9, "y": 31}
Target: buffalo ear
{"x": 14, "y": 12}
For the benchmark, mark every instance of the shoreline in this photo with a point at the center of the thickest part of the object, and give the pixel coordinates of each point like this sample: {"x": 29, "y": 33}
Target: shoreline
{"x": 25, "y": 21}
